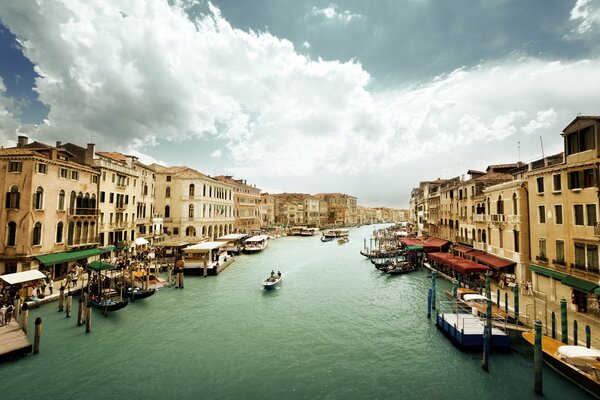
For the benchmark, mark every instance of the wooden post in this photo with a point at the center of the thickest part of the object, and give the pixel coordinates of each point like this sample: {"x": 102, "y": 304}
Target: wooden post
{"x": 61, "y": 299}
{"x": 429, "y": 303}
{"x": 180, "y": 278}
{"x": 563, "y": 321}
{"x": 575, "y": 332}
{"x": 17, "y": 307}
{"x": 588, "y": 336}
{"x": 88, "y": 318}
{"x": 69, "y": 305}
{"x": 537, "y": 356}
{"x": 38, "y": 335}
{"x": 80, "y": 311}
{"x": 506, "y": 302}
{"x": 454, "y": 294}
{"x": 485, "y": 360}
{"x": 516, "y": 295}
{"x": 433, "y": 277}
{"x": 553, "y": 325}
{"x": 488, "y": 316}
{"x": 24, "y": 315}
{"x": 498, "y": 297}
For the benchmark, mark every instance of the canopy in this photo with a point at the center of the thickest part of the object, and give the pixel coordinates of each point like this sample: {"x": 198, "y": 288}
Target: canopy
{"x": 25, "y": 276}
{"x": 258, "y": 238}
{"x": 141, "y": 241}
{"x": 463, "y": 249}
{"x": 233, "y": 236}
{"x": 492, "y": 261}
{"x": 204, "y": 247}
{"x": 100, "y": 266}
{"x": 579, "y": 284}
{"x": 547, "y": 272}
{"x": 58, "y": 258}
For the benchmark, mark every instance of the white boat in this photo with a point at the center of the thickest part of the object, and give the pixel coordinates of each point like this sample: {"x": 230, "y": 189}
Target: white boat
{"x": 205, "y": 258}
{"x": 297, "y": 230}
{"x": 256, "y": 243}
{"x": 309, "y": 231}
{"x": 234, "y": 242}
{"x": 336, "y": 233}
{"x": 272, "y": 281}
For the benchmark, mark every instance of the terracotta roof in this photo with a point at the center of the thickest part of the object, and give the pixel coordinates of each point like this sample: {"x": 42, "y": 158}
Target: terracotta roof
{"x": 16, "y": 151}
{"x": 113, "y": 155}
{"x": 180, "y": 171}
{"x": 494, "y": 176}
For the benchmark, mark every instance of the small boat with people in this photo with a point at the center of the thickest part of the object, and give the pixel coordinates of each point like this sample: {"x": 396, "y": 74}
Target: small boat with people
{"x": 343, "y": 240}
{"x": 326, "y": 239}
{"x": 579, "y": 364}
{"x": 401, "y": 268}
{"x": 272, "y": 281}
{"x": 336, "y": 233}
{"x": 137, "y": 293}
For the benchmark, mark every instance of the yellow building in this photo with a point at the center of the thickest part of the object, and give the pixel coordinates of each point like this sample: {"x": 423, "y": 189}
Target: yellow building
{"x": 341, "y": 208}
{"x": 563, "y": 208}
{"x": 246, "y": 203}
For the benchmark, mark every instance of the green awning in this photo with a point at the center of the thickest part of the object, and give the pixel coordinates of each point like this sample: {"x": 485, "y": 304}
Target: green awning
{"x": 107, "y": 249}
{"x": 579, "y": 284}
{"x": 414, "y": 247}
{"x": 100, "y": 266}
{"x": 597, "y": 291}
{"x": 58, "y": 258}
{"x": 552, "y": 273}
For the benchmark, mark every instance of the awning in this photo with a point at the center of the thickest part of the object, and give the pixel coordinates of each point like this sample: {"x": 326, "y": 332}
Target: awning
{"x": 416, "y": 248}
{"x": 490, "y": 260}
{"x": 465, "y": 266}
{"x": 579, "y": 284}
{"x": 597, "y": 291}
{"x": 204, "y": 247}
{"x": 107, "y": 249}
{"x": 58, "y": 258}
{"x": 463, "y": 249}
{"x": 25, "y": 276}
{"x": 552, "y": 273}
{"x": 141, "y": 241}
{"x": 100, "y": 266}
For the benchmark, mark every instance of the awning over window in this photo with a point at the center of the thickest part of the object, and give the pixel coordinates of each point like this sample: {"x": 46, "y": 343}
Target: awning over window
{"x": 100, "y": 266}
{"x": 552, "y": 273}
{"x": 25, "y": 276}
{"x": 490, "y": 260}
{"x": 579, "y": 284}
{"x": 57, "y": 258}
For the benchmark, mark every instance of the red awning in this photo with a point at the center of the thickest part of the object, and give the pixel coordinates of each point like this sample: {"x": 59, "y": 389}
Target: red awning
{"x": 468, "y": 267}
{"x": 463, "y": 249}
{"x": 411, "y": 242}
{"x": 490, "y": 260}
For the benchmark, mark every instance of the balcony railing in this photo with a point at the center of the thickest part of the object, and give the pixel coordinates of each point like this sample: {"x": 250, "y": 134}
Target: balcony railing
{"x": 597, "y": 229}
{"x": 83, "y": 211}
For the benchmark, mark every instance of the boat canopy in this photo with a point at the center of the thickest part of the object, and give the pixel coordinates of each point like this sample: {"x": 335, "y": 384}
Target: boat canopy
{"x": 100, "y": 266}
{"x": 258, "y": 238}
{"x": 24, "y": 276}
{"x": 232, "y": 236}
{"x": 474, "y": 297}
{"x": 204, "y": 247}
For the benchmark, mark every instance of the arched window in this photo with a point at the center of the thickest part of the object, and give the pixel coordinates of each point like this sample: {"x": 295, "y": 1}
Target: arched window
{"x": 72, "y": 201}
{"x": 483, "y": 236}
{"x": 168, "y": 192}
{"x": 93, "y": 202}
{"x": 190, "y": 231}
{"x": 488, "y": 206}
{"x": 70, "y": 232}
{"x": 167, "y": 212}
{"x": 79, "y": 201}
{"x": 12, "y": 197}
{"x": 36, "y": 238}
{"x": 191, "y": 211}
{"x": 38, "y": 198}
{"x": 61, "y": 201}
{"x": 500, "y": 205}
{"x": 192, "y": 190}
{"x": 11, "y": 235}
{"x": 204, "y": 190}
{"x": 59, "y": 232}
{"x": 514, "y": 204}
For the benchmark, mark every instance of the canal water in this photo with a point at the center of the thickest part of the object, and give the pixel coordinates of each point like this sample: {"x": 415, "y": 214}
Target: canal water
{"x": 336, "y": 329}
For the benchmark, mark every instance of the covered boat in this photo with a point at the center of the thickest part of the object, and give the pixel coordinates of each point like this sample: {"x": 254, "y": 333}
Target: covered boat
{"x": 256, "y": 243}
{"x": 336, "y": 233}
{"x": 106, "y": 287}
{"x": 234, "y": 242}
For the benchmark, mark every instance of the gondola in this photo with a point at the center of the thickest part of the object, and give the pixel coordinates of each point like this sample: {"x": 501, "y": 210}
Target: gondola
{"x": 107, "y": 305}
{"x": 138, "y": 294}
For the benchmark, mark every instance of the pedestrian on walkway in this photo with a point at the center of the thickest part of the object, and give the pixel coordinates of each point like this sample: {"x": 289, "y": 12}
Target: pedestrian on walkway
{"x": 51, "y": 285}
{"x": 530, "y": 288}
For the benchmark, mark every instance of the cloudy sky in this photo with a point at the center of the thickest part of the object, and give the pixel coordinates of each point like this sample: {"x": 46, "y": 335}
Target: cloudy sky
{"x": 362, "y": 97}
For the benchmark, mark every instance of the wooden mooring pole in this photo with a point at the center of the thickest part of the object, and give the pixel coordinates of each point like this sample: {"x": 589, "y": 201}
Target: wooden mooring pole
{"x": 537, "y": 357}
{"x": 38, "y": 335}
{"x": 24, "y": 315}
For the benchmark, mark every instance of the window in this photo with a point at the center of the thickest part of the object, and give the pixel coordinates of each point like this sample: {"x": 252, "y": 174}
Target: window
{"x": 591, "y": 214}
{"x": 582, "y": 179}
{"x": 192, "y": 190}
{"x": 175, "y": 231}
{"x": 15, "y": 166}
{"x": 578, "y": 211}
{"x": 516, "y": 241}
{"x": 514, "y": 204}
{"x": 556, "y": 183}
{"x": 102, "y": 197}
{"x": 168, "y": 192}
{"x": 558, "y": 214}
{"x": 540, "y": 184}
{"x": 167, "y": 212}
{"x": 42, "y": 168}
{"x": 560, "y": 252}
{"x": 38, "y": 199}
{"x": 61, "y": 200}
{"x": 113, "y": 178}
{"x": 63, "y": 173}
{"x": 12, "y": 197}
{"x": 581, "y": 140}
{"x": 542, "y": 214}
{"x": 168, "y": 178}
{"x": 500, "y": 205}
{"x": 592, "y": 256}
{"x": 59, "y": 232}
{"x": 542, "y": 250}
{"x": 579, "y": 255}
{"x": 75, "y": 175}
{"x": 36, "y": 238}
{"x": 190, "y": 231}
{"x": 11, "y": 235}
{"x": 103, "y": 176}
{"x": 191, "y": 211}
{"x": 111, "y": 198}
{"x": 95, "y": 179}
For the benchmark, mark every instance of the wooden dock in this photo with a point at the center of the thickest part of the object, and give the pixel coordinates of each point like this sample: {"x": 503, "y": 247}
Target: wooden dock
{"x": 13, "y": 341}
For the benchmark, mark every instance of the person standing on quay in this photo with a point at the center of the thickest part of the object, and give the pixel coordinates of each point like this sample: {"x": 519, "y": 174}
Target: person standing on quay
{"x": 51, "y": 285}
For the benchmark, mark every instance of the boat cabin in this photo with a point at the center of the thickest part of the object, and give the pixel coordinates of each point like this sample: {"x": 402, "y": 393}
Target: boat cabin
{"x": 336, "y": 233}
{"x": 204, "y": 257}
{"x": 256, "y": 243}
{"x": 234, "y": 242}
{"x": 309, "y": 231}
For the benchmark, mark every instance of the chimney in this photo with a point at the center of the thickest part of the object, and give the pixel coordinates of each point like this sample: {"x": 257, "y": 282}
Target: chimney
{"x": 58, "y": 143}
{"x": 90, "y": 152}
{"x": 22, "y": 141}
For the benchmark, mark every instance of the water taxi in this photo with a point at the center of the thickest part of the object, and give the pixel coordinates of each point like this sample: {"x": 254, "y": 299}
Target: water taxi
{"x": 336, "y": 233}
{"x": 256, "y": 243}
{"x": 234, "y": 242}
{"x": 309, "y": 231}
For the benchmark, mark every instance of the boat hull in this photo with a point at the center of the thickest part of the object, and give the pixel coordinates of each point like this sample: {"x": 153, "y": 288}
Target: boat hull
{"x": 140, "y": 294}
{"x": 109, "y": 305}
{"x": 270, "y": 285}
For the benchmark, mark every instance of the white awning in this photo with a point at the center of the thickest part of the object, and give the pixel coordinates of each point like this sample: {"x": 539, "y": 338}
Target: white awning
{"x": 140, "y": 241}
{"x": 25, "y": 276}
{"x": 204, "y": 247}
{"x": 258, "y": 238}
{"x": 233, "y": 236}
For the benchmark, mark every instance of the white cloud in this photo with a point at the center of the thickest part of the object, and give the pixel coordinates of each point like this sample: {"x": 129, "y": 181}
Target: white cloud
{"x": 587, "y": 13}
{"x": 330, "y": 13}
{"x": 216, "y": 154}
{"x": 306, "y": 45}
{"x": 136, "y": 75}
{"x": 9, "y": 125}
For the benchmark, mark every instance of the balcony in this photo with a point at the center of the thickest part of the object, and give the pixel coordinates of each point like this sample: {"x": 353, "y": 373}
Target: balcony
{"x": 597, "y": 229}
{"x": 83, "y": 212}
{"x": 560, "y": 263}
{"x": 542, "y": 258}
{"x": 498, "y": 218}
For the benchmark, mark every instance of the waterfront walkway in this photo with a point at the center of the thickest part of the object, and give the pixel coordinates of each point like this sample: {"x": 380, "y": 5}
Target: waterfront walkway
{"x": 543, "y": 312}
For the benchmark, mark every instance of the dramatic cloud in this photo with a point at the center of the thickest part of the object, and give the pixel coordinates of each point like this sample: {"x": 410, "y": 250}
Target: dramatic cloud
{"x": 587, "y": 13}
{"x": 137, "y": 74}
{"x": 8, "y": 123}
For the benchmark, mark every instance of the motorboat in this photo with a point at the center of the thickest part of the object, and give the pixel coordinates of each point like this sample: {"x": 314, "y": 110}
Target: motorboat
{"x": 272, "y": 281}
{"x": 256, "y": 243}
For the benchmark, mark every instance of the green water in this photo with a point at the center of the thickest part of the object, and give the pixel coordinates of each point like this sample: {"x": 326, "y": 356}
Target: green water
{"x": 336, "y": 329}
